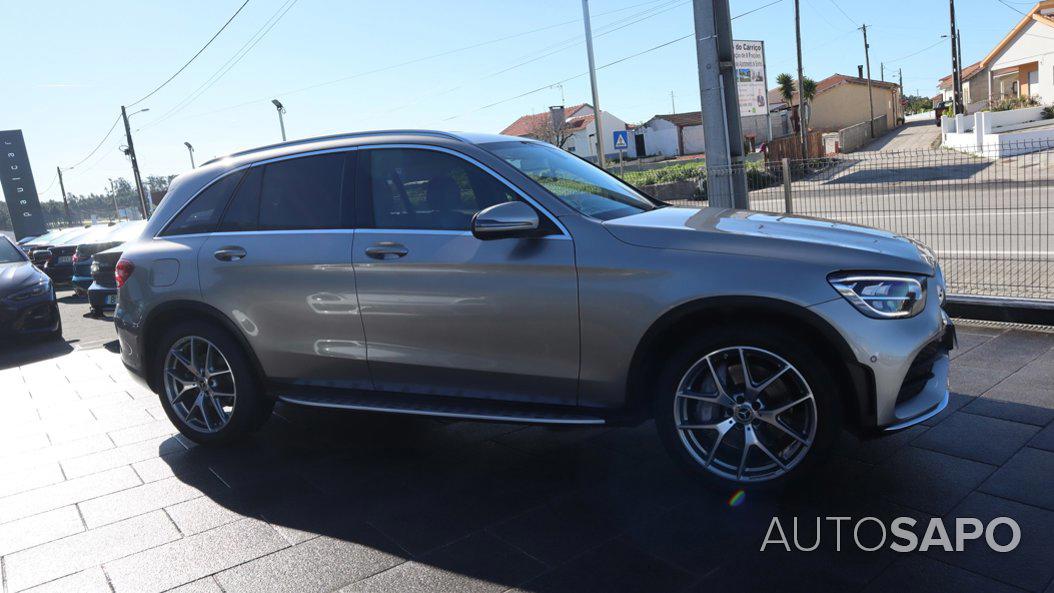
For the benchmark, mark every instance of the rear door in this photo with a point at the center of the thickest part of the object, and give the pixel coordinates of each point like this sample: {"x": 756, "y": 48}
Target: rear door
{"x": 446, "y": 313}
{"x": 280, "y": 268}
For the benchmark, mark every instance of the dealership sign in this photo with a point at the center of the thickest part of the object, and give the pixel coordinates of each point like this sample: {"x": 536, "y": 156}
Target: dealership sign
{"x": 20, "y": 191}
{"x": 751, "y": 83}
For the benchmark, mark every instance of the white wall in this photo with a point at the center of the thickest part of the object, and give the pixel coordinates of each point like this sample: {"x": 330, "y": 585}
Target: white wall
{"x": 1033, "y": 44}
{"x": 584, "y": 143}
{"x": 693, "y": 139}
{"x": 660, "y": 138}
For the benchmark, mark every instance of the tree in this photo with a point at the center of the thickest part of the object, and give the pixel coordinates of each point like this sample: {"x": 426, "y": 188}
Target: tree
{"x": 788, "y": 87}
{"x": 547, "y": 131}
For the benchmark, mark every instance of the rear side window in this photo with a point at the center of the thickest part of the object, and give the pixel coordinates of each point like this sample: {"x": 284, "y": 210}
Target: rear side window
{"x": 204, "y": 211}
{"x": 302, "y": 193}
{"x": 243, "y": 213}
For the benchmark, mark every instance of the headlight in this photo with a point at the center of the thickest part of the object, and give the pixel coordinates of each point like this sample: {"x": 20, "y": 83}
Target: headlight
{"x": 882, "y": 297}
{"x": 33, "y": 291}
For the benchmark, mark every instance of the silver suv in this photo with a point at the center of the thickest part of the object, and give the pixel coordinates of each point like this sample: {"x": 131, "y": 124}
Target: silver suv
{"x": 499, "y": 278}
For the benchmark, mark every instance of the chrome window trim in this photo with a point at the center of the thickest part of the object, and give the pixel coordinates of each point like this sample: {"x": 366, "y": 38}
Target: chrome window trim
{"x": 523, "y": 195}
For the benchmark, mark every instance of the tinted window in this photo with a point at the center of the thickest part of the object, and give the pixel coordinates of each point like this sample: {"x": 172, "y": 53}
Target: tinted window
{"x": 243, "y": 212}
{"x": 203, "y": 213}
{"x": 302, "y": 193}
{"x": 426, "y": 189}
{"x": 9, "y": 253}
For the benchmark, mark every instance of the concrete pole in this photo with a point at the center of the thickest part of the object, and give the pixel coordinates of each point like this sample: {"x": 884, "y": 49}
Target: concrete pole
{"x": 135, "y": 165}
{"x": 870, "y": 99}
{"x": 597, "y": 124}
{"x": 957, "y": 100}
{"x": 719, "y": 101}
{"x": 65, "y": 202}
{"x": 803, "y": 132}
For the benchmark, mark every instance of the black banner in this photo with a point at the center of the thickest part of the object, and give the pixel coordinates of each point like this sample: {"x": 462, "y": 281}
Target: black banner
{"x": 20, "y": 191}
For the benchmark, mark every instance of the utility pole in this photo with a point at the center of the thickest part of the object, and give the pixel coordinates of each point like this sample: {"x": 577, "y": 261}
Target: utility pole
{"x": 867, "y": 64}
{"x": 135, "y": 164}
{"x": 959, "y": 55}
{"x": 65, "y": 202}
{"x": 803, "y": 132}
{"x": 597, "y": 124}
{"x": 957, "y": 100}
{"x": 673, "y": 104}
{"x": 113, "y": 193}
{"x": 719, "y": 103}
{"x": 900, "y": 75}
{"x": 882, "y": 71}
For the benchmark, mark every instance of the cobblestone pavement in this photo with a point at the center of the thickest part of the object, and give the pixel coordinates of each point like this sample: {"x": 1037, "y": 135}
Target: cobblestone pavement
{"x": 98, "y": 494}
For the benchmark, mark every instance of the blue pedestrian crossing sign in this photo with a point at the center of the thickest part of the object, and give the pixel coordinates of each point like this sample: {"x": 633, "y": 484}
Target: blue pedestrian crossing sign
{"x": 620, "y": 139}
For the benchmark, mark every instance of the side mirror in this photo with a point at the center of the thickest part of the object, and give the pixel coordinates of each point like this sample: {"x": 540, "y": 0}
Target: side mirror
{"x": 505, "y": 220}
{"x": 41, "y": 256}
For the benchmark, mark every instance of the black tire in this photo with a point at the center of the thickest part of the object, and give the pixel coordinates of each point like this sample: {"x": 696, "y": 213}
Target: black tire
{"x": 252, "y": 407}
{"x": 813, "y": 368}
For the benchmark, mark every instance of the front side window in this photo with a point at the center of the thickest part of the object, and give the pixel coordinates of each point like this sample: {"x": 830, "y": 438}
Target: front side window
{"x": 204, "y": 211}
{"x": 580, "y": 185}
{"x": 302, "y": 193}
{"x": 429, "y": 190}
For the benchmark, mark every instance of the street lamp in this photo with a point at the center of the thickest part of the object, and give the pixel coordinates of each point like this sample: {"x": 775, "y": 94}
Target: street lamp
{"x": 281, "y": 112}
{"x": 190, "y": 149}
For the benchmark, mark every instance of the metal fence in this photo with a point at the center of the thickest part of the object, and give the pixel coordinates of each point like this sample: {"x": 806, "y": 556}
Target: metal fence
{"x": 990, "y": 220}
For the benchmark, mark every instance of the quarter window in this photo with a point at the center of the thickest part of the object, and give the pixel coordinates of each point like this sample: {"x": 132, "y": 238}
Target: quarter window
{"x": 204, "y": 211}
{"x": 429, "y": 190}
{"x": 302, "y": 193}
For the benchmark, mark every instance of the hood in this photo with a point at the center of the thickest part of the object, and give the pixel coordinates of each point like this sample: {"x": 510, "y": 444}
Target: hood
{"x": 837, "y": 245}
{"x": 16, "y": 275}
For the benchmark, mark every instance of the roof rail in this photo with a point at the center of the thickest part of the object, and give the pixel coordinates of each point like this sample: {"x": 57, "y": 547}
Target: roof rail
{"x": 334, "y": 137}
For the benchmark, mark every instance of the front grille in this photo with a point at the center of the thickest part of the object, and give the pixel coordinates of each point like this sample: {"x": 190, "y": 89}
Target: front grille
{"x": 36, "y": 317}
{"x": 920, "y": 371}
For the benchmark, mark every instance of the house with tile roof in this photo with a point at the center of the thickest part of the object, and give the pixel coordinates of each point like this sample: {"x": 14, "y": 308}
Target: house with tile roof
{"x": 1020, "y": 65}
{"x": 842, "y": 101}
{"x": 677, "y": 134}
{"x": 577, "y": 135}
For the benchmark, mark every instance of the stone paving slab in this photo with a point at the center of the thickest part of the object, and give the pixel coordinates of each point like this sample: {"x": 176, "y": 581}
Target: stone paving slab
{"x": 99, "y": 493}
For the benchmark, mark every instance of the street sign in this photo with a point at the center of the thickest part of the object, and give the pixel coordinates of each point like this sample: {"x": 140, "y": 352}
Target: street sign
{"x": 620, "y": 139}
{"x": 16, "y": 178}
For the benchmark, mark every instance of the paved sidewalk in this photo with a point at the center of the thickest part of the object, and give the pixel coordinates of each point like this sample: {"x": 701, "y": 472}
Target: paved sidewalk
{"x": 916, "y": 135}
{"x": 97, "y": 495}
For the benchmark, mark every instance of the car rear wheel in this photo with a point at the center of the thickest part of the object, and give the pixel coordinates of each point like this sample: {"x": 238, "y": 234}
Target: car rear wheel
{"x": 207, "y": 386}
{"x": 747, "y": 408}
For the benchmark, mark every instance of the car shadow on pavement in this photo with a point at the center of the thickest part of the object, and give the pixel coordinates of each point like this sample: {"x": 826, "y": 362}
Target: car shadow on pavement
{"x": 545, "y": 508}
{"x": 15, "y": 354}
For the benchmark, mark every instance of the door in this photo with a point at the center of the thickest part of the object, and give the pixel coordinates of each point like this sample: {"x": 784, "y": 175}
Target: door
{"x": 446, "y": 313}
{"x": 280, "y": 268}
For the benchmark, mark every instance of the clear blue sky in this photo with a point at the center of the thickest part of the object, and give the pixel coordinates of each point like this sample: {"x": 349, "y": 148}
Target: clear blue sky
{"x": 74, "y": 63}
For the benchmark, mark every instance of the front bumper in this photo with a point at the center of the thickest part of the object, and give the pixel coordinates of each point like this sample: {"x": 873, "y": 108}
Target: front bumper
{"x": 34, "y": 317}
{"x": 907, "y": 359}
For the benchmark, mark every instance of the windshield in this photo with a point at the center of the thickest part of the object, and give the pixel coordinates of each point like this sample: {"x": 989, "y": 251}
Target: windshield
{"x": 9, "y": 253}
{"x": 573, "y": 181}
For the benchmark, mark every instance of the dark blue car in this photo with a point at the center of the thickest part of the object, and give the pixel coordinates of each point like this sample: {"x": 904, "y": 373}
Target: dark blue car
{"x": 28, "y": 306}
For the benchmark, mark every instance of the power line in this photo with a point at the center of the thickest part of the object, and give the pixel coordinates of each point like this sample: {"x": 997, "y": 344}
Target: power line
{"x": 192, "y": 58}
{"x": 1014, "y": 8}
{"x": 94, "y": 150}
{"x": 231, "y": 62}
{"x": 775, "y": 2}
{"x": 913, "y": 54}
{"x": 844, "y": 13}
{"x": 417, "y": 60}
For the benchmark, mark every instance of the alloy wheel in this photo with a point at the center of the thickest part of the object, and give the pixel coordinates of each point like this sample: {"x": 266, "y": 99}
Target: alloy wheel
{"x": 199, "y": 384}
{"x": 745, "y": 414}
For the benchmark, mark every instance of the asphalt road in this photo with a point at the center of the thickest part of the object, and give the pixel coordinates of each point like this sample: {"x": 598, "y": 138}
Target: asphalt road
{"x": 79, "y": 328}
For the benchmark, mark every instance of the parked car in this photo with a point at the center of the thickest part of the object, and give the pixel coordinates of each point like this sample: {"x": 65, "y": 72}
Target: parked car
{"x": 28, "y": 307}
{"x": 44, "y": 241}
{"x": 83, "y": 256}
{"x": 102, "y": 294}
{"x": 499, "y": 278}
{"x": 59, "y": 261}
{"x": 40, "y": 251}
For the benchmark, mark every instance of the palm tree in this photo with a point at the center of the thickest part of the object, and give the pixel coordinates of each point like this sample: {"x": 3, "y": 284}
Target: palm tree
{"x": 786, "y": 86}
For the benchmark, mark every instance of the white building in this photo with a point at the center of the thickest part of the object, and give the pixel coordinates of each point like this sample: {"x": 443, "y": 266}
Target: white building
{"x": 578, "y": 132}
{"x": 676, "y": 134}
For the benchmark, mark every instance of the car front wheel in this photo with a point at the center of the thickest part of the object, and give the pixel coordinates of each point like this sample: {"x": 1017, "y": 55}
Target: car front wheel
{"x": 747, "y": 408}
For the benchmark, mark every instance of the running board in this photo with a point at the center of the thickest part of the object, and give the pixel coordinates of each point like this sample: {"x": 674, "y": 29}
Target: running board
{"x": 444, "y": 407}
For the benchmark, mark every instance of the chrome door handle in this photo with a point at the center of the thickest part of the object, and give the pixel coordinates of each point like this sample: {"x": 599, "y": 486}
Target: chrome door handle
{"x": 229, "y": 254}
{"x": 386, "y": 250}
